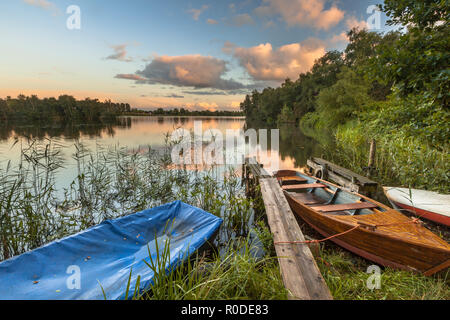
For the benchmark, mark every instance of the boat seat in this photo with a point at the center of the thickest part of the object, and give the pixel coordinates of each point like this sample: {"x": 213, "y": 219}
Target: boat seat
{"x": 291, "y": 180}
{"x": 299, "y": 187}
{"x": 307, "y": 198}
{"x": 345, "y": 207}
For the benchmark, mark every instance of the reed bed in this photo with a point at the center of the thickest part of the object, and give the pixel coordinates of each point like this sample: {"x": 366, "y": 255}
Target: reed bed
{"x": 112, "y": 182}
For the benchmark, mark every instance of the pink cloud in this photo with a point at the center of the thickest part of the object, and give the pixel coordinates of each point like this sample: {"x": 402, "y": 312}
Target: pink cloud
{"x": 120, "y": 53}
{"x": 197, "y": 12}
{"x": 264, "y": 63}
{"x": 130, "y": 77}
{"x": 44, "y": 4}
{"x": 352, "y": 22}
{"x": 212, "y": 21}
{"x": 303, "y": 12}
{"x": 189, "y": 71}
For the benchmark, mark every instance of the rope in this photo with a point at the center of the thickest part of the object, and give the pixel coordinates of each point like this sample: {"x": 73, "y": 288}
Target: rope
{"x": 415, "y": 220}
{"x": 317, "y": 241}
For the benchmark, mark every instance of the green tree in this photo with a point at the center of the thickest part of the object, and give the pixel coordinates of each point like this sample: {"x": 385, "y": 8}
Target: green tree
{"x": 419, "y": 63}
{"x": 344, "y": 100}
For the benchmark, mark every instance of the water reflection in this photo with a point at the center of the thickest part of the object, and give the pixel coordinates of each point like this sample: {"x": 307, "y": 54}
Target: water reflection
{"x": 141, "y": 132}
{"x": 296, "y": 144}
{"x": 68, "y": 130}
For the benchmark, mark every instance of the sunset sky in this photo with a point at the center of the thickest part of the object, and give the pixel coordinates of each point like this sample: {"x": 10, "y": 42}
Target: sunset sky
{"x": 193, "y": 54}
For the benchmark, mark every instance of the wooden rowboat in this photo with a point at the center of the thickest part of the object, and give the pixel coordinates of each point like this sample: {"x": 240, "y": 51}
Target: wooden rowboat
{"x": 424, "y": 204}
{"x": 363, "y": 226}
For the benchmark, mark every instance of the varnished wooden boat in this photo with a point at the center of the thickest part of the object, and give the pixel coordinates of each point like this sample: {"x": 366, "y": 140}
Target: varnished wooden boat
{"x": 365, "y": 227}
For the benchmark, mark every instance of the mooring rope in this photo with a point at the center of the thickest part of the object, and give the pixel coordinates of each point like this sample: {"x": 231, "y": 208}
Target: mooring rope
{"x": 415, "y": 220}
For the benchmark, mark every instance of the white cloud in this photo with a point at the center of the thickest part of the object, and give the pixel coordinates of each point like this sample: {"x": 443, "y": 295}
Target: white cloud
{"x": 212, "y": 21}
{"x": 188, "y": 71}
{"x": 352, "y": 22}
{"x": 44, "y": 4}
{"x": 302, "y": 12}
{"x": 120, "y": 53}
{"x": 240, "y": 20}
{"x": 197, "y": 12}
{"x": 264, "y": 63}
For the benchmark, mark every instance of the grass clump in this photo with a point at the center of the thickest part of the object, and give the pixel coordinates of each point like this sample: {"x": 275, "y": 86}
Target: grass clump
{"x": 347, "y": 277}
{"x": 234, "y": 275}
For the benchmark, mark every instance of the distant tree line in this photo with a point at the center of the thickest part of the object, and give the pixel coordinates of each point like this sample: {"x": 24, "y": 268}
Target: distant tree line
{"x": 65, "y": 108}
{"x": 185, "y": 112}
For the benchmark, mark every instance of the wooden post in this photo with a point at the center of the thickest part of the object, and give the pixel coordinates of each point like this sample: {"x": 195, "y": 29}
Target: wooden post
{"x": 371, "y": 164}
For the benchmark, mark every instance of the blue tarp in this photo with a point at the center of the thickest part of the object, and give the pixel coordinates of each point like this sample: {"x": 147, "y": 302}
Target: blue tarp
{"x": 79, "y": 266}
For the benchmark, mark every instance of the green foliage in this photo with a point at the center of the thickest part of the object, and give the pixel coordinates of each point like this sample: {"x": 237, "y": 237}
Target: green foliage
{"x": 419, "y": 62}
{"x": 343, "y": 100}
{"x": 347, "y": 277}
{"x": 286, "y": 115}
{"x": 300, "y": 95}
{"x": 412, "y": 143}
{"x": 423, "y": 14}
{"x": 233, "y": 275}
{"x": 392, "y": 87}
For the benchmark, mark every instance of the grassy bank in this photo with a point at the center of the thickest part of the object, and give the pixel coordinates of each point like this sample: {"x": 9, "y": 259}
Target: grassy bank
{"x": 241, "y": 264}
{"x": 411, "y": 137}
{"x": 113, "y": 182}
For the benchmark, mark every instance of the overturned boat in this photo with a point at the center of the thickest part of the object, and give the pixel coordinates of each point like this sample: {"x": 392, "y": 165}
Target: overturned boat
{"x": 363, "y": 226}
{"x": 97, "y": 263}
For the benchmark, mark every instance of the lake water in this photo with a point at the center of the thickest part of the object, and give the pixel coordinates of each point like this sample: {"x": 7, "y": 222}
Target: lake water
{"x": 138, "y": 133}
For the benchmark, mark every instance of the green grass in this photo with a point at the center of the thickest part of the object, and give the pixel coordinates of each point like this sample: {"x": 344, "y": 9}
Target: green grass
{"x": 111, "y": 183}
{"x": 234, "y": 275}
{"x": 346, "y": 276}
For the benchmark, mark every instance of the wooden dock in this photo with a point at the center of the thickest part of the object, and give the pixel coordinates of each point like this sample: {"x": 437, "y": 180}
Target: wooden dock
{"x": 349, "y": 180}
{"x": 300, "y": 273}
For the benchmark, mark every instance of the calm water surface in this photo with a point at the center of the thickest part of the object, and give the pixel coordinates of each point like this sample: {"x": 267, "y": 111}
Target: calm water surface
{"x": 138, "y": 133}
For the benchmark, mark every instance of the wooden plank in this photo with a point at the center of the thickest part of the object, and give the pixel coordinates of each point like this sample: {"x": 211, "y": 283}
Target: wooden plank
{"x": 303, "y": 186}
{"x": 292, "y": 180}
{"x": 344, "y": 207}
{"x": 307, "y": 198}
{"x": 344, "y": 172}
{"x": 299, "y": 270}
{"x": 256, "y": 169}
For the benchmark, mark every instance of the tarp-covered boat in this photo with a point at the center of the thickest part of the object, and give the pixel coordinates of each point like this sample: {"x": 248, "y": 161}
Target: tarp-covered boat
{"x": 424, "y": 204}
{"x": 98, "y": 261}
{"x": 364, "y": 226}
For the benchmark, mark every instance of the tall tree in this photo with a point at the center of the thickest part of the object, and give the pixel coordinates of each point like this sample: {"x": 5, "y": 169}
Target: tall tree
{"x": 419, "y": 63}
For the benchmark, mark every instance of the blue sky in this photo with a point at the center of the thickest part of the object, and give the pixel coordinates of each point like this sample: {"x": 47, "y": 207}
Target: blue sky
{"x": 194, "y": 54}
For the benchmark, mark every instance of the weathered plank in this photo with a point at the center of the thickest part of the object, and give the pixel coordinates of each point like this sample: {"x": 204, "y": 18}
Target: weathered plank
{"x": 345, "y": 207}
{"x": 345, "y": 172}
{"x": 299, "y": 270}
{"x": 299, "y": 187}
{"x": 344, "y": 177}
{"x": 292, "y": 180}
{"x": 256, "y": 169}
